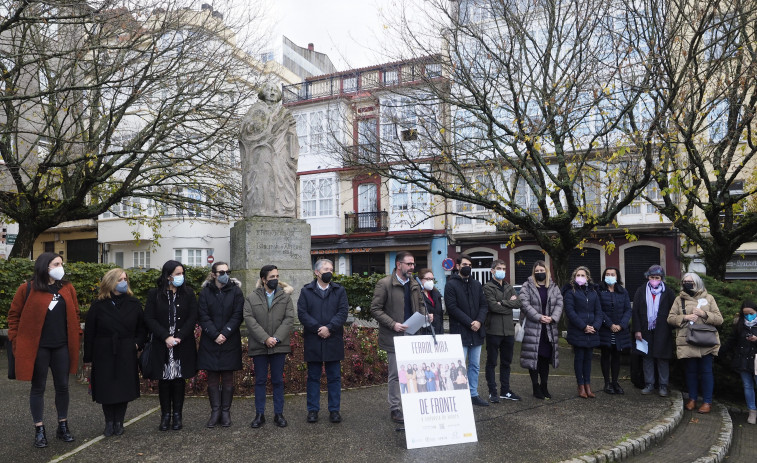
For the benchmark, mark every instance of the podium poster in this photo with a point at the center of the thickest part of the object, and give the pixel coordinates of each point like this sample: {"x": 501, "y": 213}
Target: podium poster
{"x": 436, "y": 401}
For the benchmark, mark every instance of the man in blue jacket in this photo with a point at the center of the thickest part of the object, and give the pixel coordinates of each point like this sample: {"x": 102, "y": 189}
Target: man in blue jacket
{"x": 467, "y": 307}
{"x": 322, "y": 309}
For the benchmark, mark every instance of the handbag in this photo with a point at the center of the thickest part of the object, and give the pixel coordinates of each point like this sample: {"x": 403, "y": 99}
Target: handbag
{"x": 519, "y": 332}
{"x": 702, "y": 335}
{"x": 144, "y": 359}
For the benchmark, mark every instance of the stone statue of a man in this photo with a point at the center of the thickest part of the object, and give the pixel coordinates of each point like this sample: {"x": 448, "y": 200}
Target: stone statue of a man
{"x": 269, "y": 149}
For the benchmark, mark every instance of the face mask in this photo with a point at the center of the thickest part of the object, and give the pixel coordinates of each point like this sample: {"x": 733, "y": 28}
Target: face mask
{"x": 223, "y": 279}
{"x": 654, "y": 283}
{"x": 580, "y": 281}
{"x": 611, "y": 280}
{"x": 688, "y": 286}
{"x": 499, "y": 274}
{"x": 272, "y": 284}
{"x": 122, "y": 287}
{"x": 56, "y": 273}
{"x": 326, "y": 276}
{"x": 540, "y": 276}
{"x": 178, "y": 280}
{"x": 750, "y": 317}
{"x": 465, "y": 271}
{"x": 428, "y": 285}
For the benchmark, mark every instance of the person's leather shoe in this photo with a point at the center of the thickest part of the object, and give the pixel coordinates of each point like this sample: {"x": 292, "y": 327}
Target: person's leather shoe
{"x": 582, "y": 391}
{"x": 118, "y": 428}
{"x": 165, "y": 422}
{"x": 40, "y": 438}
{"x": 335, "y": 417}
{"x": 108, "y": 431}
{"x": 397, "y": 416}
{"x": 705, "y": 408}
{"x": 589, "y": 394}
{"x": 176, "y": 424}
{"x": 538, "y": 394}
{"x": 312, "y": 416}
{"x": 690, "y": 404}
{"x": 63, "y": 433}
{"x": 477, "y": 400}
{"x": 278, "y": 420}
{"x": 494, "y": 398}
{"x": 258, "y": 421}
{"x": 609, "y": 388}
{"x": 618, "y": 389}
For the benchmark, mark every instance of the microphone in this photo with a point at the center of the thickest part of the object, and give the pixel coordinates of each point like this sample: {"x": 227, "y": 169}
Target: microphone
{"x": 433, "y": 333}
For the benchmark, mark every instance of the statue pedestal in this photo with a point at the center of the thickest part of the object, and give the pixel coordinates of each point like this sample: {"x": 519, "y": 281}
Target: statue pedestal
{"x": 283, "y": 242}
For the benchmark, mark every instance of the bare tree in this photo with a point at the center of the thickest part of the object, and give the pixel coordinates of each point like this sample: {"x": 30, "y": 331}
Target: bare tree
{"x": 107, "y": 100}
{"x": 707, "y": 74}
{"x": 537, "y": 111}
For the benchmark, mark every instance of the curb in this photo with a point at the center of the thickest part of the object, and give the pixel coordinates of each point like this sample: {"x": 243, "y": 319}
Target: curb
{"x": 654, "y": 432}
{"x": 719, "y": 450}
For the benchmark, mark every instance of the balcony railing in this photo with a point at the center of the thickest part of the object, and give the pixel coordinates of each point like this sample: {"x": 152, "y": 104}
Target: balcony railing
{"x": 366, "y": 222}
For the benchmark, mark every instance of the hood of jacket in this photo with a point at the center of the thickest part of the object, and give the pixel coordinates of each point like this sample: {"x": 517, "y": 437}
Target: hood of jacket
{"x": 232, "y": 281}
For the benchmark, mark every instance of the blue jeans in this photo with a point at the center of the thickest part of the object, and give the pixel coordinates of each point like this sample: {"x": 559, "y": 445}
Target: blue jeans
{"x": 749, "y": 381}
{"x": 276, "y": 363}
{"x": 472, "y": 356}
{"x": 696, "y": 369}
{"x": 334, "y": 379}
{"x": 582, "y": 364}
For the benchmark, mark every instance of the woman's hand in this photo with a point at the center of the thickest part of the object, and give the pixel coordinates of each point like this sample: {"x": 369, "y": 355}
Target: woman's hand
{"x": 638, "y": 336}
{"x": 590, "y": 330}
{"x": 752, "y": 338}
{"x": 691, "y": 317}
{"x": 172, "y": 342}
{"x": 220, "y": 339}
{"x": 546, "y": 319}
{"x": 270, "y": 342}
{"x": 614, "y": 328}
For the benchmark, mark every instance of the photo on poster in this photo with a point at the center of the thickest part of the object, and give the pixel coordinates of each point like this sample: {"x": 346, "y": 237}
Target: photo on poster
{"x": 446, "y": 374}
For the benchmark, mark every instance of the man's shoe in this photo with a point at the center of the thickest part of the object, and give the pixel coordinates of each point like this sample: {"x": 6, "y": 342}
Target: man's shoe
{"x": 510, "y": 395}
{"x": 278, "y": 420}
{"x": 477, "y": 400}
{"x": 705, "y": 408}
{"x": 108, "y": 431}
{"x": 663, "y": 391}
{"x": 335, "y": 417}
{"x": 312, "y": 416}
{"x": 618, "y": 389}
{"x": 63, "y": 433}
{"x": 493, "y": 398}
{"x": 40, "y": 438}
{"x": 258, "y": 421}
{"x": 397, "y": 416}
{"x": 648, "y": 389}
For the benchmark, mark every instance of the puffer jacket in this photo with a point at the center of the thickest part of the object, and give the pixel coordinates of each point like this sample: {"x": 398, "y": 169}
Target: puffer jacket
{"x": 263, "y": 322}
{"x": 685, "y": 304}
{"x": 583, "y": 309}
{"x": 530, "y": 318}
{"x": 220, "y": 313}
{"x": 616, "y": 307}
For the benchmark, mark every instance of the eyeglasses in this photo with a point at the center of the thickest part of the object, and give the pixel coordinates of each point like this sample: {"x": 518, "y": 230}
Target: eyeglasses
{"x": 224, "y": 272}
{"x": 688, "y": 281}
{"x": 409, "y": 264}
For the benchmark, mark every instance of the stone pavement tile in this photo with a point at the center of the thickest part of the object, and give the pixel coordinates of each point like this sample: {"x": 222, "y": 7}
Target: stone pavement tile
{"x": 744, "y": 444}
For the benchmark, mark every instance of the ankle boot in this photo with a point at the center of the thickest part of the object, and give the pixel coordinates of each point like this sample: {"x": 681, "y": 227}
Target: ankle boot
{"x": 582, "y": 391}
{"x": 537, "y": 392}
{"x": 108, "y": 431}
{"x": 227, "y": 395}
{"x": 215, "y": 407}
{"x": 752, "y": 417}
{"x": 177, "y": 400}
{"x": 587, "y": 388}
{"x": 40, "y": 438}
{"x": 165, "y": 421}
{"x": 544, "y": 390}
{"x": 609, "y": 388}
{"x": 176, "y": 424}
{"x": 63, "y": 433}
{"x": 164, "y": 395}
{"x": 617, "y": 388}
{"x": 118, "y": 428}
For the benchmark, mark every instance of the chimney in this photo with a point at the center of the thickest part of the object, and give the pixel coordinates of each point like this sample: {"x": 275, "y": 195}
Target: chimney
{"x": 311, "y": 47}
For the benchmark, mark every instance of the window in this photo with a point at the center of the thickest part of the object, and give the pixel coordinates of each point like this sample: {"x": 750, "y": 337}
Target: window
{"x": 434, "y": 70}
{"x": 266, "y": 57}
{"x": 194, "y": 257}
{"x": 311, "y": 130}
{"x": 367, "y": 139}
{"x": 319, "y": 196}
{"x": 349, "y": 84}
{"x": 317, "y": 130}
{"x": 631, "y": 209}
{"x": 408, "y": 197}
{"x": 718, "y": 121}
{"x": 391, "y": 77}
{"x": 141, "y": 259}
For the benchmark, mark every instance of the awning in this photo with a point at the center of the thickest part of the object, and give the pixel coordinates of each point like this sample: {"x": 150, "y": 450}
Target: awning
{"x": 378, "y": 244}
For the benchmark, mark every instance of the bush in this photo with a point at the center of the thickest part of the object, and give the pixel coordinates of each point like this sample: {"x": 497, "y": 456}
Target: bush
{"x": 359, "y": 292}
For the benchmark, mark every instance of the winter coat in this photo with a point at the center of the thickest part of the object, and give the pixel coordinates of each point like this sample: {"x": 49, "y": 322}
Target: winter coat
{"x": 499, "y": 317}
{"x": 661, "y": 340}
{"x": 115, "y": 330}
{"x": 156, "y": 318}
{"x": 317, "y": 308}
{"x": 685, "y": 304}
{"x": 263, "y": 322}
{"x": 616, "y": 307}
{"x": 466, "y": 303}
{"x": 741, "y": 349}
{"x": 220, "y": 313}
{"x": 437, "y": 310}
{"x": 388, "y": 307}
{"x": 583, "y": 309}
{"x": 530, "y": 316}
{"x": 25, "y": 320}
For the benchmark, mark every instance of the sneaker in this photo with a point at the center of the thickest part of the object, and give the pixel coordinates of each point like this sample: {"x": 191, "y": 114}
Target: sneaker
{"x": 493, "y": 398}
{"x": 477, "y": 400}
{"x": 510, "y": 395}
{"x": 648, "y": 389}
{"x": 663, "y": 391}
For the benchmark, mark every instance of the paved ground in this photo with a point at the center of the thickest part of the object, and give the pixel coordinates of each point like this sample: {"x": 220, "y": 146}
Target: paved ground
{"x": 527, "y": 431}
{"x": 744, "y": 443}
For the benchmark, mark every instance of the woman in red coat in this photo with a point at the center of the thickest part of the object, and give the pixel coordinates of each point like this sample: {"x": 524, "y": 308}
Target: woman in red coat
{"x": 44, "y": 329}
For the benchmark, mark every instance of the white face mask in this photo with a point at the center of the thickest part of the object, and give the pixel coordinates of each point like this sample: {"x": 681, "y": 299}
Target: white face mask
{"x": 428, "y": 285}
{"x": 56, "y": 273}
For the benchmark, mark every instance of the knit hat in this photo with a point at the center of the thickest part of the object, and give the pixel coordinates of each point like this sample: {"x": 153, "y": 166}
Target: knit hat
{"x": 655, "y": 270}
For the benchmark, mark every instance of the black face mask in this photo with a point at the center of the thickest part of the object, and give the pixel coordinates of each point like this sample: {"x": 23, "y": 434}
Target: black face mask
{"x": 688, "y": 286}
{"x": 326, "y": 276}
{"x": 540, "y": 276}
{"x": 465, "y": 272}
{"x": 272, "y": 284}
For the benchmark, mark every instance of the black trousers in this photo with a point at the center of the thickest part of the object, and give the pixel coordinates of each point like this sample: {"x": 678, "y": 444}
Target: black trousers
{"x": 58, "y": 362}
{"x": 115, "y": 412}
{"x": 502, "y": 347}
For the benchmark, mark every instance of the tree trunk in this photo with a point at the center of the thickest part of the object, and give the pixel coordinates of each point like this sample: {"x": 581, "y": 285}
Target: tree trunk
{"x": 716, "y": 257}
{"x": 25, "y": 241}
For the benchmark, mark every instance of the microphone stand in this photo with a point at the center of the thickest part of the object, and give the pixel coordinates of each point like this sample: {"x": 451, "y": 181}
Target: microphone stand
{"x": 433, "y": 333}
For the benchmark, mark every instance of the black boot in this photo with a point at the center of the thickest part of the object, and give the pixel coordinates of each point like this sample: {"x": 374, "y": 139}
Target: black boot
{"x": 617, "y": 388}
{"x": 227, "y": 394}
{"x": 177, "y": 399}
{"x": 544, "y": 390}
{"x": 118, "y": 428}
{"x": 63, "y": 433}
{"x": 537, "y": 392}
{"x": 535, "y": 384}
{"x": 258, "y": 421}
{"x": 108, "y": 431}
{"x": 215, "y": 407}
{"x": 40, "y": 438}
{"x": 164, "y": 395}
{"x": 609, "y": 388}
{"x": 165, "y": 421}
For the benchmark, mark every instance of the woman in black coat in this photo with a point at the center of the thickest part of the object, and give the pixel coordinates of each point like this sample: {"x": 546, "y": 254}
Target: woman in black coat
{"x": 614, "y": 335}
{"x": 220, "y": 351}
{"x": 433, "y": 299}
{"x": 171, "y": 315}
{"x": 743, "y": 346}
{"x": 584, "y": 319}
{"x": 114, "y": 332}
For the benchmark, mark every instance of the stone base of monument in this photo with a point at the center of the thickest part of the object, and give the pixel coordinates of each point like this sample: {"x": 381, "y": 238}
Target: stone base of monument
{"x": 283, "y": 242}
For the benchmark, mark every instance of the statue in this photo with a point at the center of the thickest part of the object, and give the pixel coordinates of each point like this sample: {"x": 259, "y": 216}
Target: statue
{"x": 269, "y": 149}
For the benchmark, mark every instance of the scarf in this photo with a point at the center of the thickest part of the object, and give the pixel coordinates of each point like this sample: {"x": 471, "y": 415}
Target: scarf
{"x": 653, "y": 304}
{"x": 750, "y": 324}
